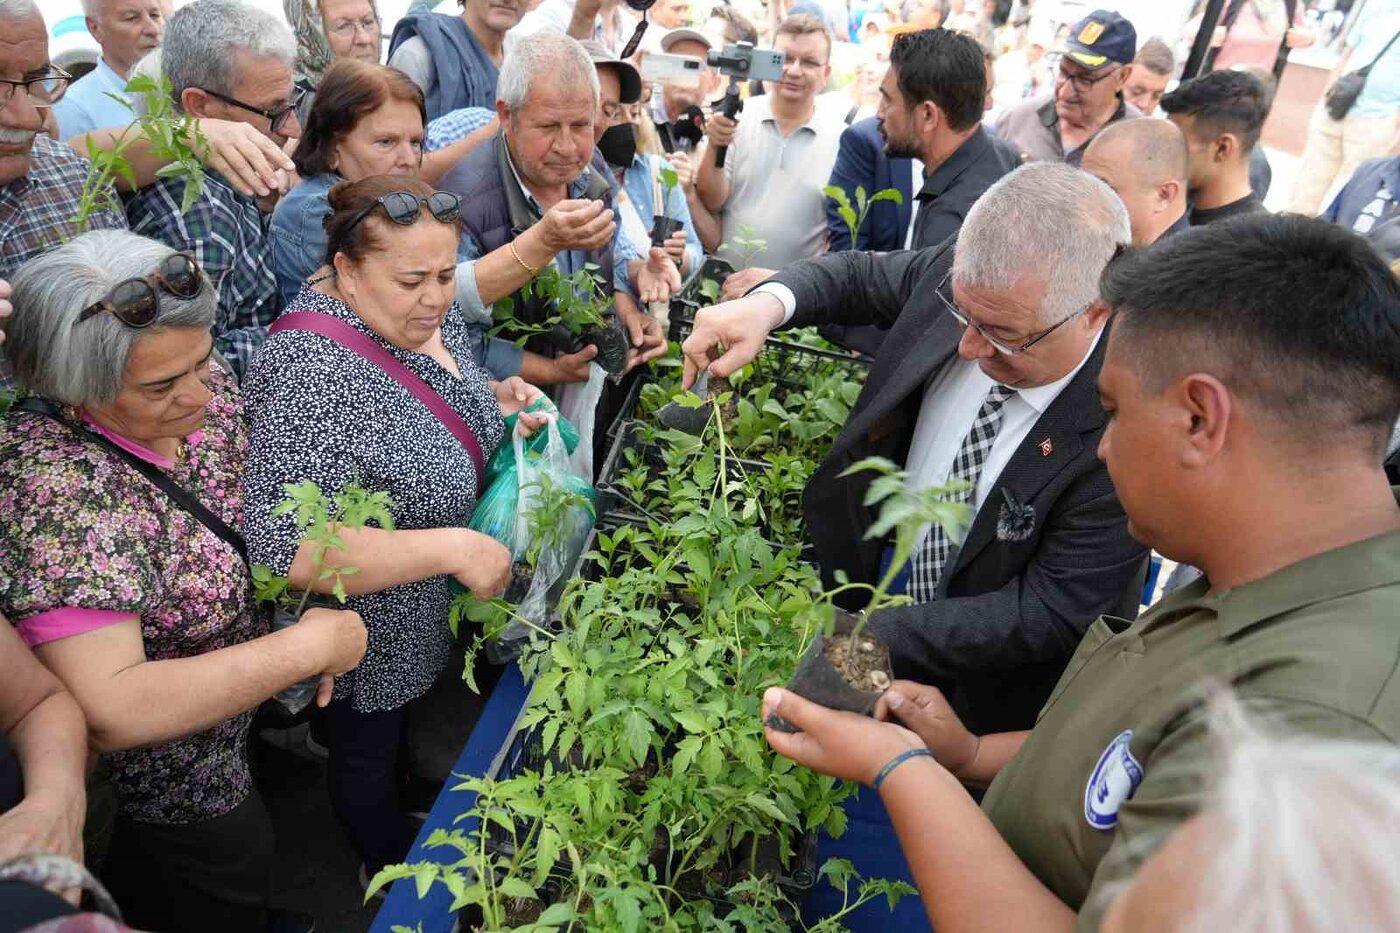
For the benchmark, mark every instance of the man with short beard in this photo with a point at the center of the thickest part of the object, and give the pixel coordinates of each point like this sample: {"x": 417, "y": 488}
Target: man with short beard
{"x": 456, "y": 60}
{"x": 126, "y": 30}
{"x": 1088, "y": 93}
{"x": 41, "y": 181}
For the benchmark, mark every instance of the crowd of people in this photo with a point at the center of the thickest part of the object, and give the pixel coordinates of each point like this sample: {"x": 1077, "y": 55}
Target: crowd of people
{"x": 1078, "y": 310}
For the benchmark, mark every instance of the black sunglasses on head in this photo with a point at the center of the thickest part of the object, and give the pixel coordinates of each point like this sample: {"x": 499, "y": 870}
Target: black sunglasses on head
{"x": 402, "y": 207}
{"x": 136, "y": 303}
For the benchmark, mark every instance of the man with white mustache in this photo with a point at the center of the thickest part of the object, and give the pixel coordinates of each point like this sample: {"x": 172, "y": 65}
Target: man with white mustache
{"x": 41, "y": 181}
{"x": 456, "y": 59}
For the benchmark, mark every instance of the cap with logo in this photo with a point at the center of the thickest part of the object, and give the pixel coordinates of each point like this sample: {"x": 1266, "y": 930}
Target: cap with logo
{"x": 1102, "y": 38}
{"x": 628, "y": 79}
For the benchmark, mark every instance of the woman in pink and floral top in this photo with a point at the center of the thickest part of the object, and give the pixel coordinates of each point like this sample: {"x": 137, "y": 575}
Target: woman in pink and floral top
{"x": 143, "y": 609}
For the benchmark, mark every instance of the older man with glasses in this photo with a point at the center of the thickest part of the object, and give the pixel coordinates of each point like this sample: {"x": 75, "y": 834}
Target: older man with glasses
{"x": 987, "y": 378}
{"x": 41, "y": 181}
{"x": 1088, "y": 94}
{"x": 231, "y": 61}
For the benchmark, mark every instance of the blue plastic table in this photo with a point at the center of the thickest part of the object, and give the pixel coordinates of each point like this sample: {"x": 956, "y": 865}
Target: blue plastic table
{"x": 869, "y": 841}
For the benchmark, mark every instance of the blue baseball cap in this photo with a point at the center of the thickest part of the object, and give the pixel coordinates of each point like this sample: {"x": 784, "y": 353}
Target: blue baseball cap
{"x": 1101, "y": 38}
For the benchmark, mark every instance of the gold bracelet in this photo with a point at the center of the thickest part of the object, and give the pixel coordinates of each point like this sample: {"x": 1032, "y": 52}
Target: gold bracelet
{"x": 523, "y": 264}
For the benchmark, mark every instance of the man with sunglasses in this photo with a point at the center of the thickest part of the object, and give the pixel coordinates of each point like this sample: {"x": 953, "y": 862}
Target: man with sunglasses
{"x": 227, "y": 60}
{"x": 1088, "y": 94}
{"x": 987, "y": 377}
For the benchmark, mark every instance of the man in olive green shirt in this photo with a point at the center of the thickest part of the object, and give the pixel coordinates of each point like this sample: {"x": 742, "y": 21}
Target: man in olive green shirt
{"x": 1252, "y": 376}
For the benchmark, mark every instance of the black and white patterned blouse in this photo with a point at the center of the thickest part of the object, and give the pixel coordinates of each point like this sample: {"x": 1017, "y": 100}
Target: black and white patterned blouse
{"x": 321, "y": 412}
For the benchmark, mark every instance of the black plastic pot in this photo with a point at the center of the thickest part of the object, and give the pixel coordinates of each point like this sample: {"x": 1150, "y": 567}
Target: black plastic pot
{"x": 611, "y": 340}
{"x": 662, "y": 227}
{"x": 522, "y": 575}
{"x": 817, "y": 680}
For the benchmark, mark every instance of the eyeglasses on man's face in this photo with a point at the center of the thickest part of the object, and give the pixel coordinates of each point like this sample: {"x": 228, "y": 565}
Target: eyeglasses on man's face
{"x": 1081, "y": 82}
{"x": 42, "y": 90}
{"x": 277, "y": 117}
{"x": 1005, "y": 343}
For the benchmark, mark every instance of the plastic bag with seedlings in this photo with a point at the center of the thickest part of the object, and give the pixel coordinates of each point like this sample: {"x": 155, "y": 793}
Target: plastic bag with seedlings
{"x": 542, "y": 511}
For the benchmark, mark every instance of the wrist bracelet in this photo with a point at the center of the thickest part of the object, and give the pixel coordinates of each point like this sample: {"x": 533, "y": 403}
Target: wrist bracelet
{"x": 895, "y": 762}
{"x": 523, "y": 264}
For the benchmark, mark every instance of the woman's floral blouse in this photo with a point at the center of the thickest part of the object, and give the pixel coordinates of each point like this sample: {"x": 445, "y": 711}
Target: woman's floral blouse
{"x": 87, "y": 541}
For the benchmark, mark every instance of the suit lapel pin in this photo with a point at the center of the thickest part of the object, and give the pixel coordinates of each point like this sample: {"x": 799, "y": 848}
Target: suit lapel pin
{"x": 1046, "y": 448}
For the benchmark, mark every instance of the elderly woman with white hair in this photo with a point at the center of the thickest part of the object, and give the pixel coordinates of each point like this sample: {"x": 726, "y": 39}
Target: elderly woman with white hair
{"x": 123, "y": 567}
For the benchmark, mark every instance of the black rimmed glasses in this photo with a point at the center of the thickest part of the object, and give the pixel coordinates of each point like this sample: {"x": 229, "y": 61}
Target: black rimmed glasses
{"x": 1012, "y": 347}
{"x": 402, "y": 207}
{"x": 277, "y": 117}
{"x": 136, "y": 302}
{"x": 43, "y": 90}
{"x": 1083, "y": 83}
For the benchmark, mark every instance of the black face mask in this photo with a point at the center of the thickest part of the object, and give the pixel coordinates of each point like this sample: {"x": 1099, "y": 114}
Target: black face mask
{"x": 619, "y": 145}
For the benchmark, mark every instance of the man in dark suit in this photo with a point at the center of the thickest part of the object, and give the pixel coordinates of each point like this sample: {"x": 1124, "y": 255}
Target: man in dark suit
{"x": 861, "y": 162}
{"x": 1007, "y": 405}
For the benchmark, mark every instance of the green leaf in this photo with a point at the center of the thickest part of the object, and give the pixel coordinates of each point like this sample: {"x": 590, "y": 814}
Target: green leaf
{"x": 637, "y": 732}
{"x": 516, "y": 887}
{"x": 887, "y": 194}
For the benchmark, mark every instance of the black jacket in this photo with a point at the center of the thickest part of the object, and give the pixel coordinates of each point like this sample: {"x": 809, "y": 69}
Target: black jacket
{"x": 1009, "y": 613}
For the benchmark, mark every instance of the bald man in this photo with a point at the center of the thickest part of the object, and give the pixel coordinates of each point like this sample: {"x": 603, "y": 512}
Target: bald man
{"x": 1145, "y": 162}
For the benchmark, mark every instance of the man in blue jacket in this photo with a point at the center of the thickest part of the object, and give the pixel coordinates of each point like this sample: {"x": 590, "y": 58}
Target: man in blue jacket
{"x": 1367, "y": 205}
{"x": 456, "y": 60}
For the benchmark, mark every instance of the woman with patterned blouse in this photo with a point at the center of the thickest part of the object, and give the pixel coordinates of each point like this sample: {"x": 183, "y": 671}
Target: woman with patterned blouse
{"x": 141, "y": 609}
{"x": 319, "y": 410}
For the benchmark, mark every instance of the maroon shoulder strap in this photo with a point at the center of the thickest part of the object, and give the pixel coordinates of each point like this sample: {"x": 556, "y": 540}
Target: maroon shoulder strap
{"x": 352, "y": 339}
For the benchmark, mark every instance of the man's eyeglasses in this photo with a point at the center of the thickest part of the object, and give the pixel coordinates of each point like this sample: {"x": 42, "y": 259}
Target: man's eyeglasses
{"x": 348, "y": 27}
{"x": 402, "y": 207}
{"x": 44, "y": 90}
{"x": 1083, "y": 83}
{"x": 1011, "y": 346}
{"x": 136, "y": 303}
{"x": 277, "y": 117}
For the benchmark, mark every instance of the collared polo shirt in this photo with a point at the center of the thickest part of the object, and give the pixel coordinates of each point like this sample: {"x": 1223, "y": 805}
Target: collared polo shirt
{"x": 776, "y": 185}
{"x": 86, "y": 106}
{"x": 1121, "y": 754}
{"x": 1033, "y": 127}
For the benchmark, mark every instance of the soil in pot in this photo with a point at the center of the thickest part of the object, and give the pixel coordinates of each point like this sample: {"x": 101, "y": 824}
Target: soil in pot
{"x": 839, "y": 675}
{"x": 662, "y": 227}
{"x": 522, "y": 575}
{"x": 613, "y": 345}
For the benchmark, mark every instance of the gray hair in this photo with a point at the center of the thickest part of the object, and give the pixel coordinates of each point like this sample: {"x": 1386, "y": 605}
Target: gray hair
{"x": 545, "y": 57}
{"x": 201, "y": 41}
{"x": 83, "y": 364}
{"x": 1043, "y": 220}
{"x": 18, "y": 9}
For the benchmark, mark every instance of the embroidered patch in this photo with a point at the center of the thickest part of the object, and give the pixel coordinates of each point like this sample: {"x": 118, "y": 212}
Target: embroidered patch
{"x": 1115, "y": 778}
{"x": 1091, "y": 32}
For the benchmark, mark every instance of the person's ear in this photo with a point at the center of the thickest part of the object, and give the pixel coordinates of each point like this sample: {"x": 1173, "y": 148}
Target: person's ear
{"x": 1227, "y": 145}
{"x": 1207, "y": 407}
{"x": 502, "y": 112}
{"x": 94, "y": 29}
{"x": 1167, "y": 192}
{"x": 345, "y": 279}
{"x": 195, "y": 102}
{"x": 1123, "y": 74}
{"x": 930, "y": 117}
{"x": 1097, "y": 314}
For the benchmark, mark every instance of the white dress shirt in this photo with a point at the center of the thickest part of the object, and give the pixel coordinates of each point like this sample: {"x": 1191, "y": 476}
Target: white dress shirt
{"x": 916, "y": 184}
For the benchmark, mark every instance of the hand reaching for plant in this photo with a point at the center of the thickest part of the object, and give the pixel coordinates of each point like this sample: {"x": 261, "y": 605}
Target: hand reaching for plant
{"x": 483, "y": 565}
{"x": 342, "y": 638}
{"x": 577, "y": 224}
{"x": 927, "y": 712}
{"x": 727, "y": 336}
{"x": 251, "y": 162}
{"x": 644, "y": 334}
{"x": 738, "y": 284}
{"x": 572, "y": 367}
{"x": 658, "y": 278}
{"x": 840, "y": 744}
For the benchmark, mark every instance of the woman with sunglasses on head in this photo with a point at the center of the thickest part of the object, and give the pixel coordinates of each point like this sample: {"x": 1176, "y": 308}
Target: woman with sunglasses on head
{"x": 368, "y": 120}
{"x": 121, "y": 503}
{"x": 369, "y": 378}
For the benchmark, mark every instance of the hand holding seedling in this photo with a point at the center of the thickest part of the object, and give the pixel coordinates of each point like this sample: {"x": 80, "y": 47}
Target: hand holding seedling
{"x": 482, "y": 564}
{"x": 738, "y": 284}
{"x": 840, "y": 744}
{"x": 927, "y": 712}
{"x": 342, "y": 640}
{"x": 577, "y": 224}
{"x": 727, "y": 336}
